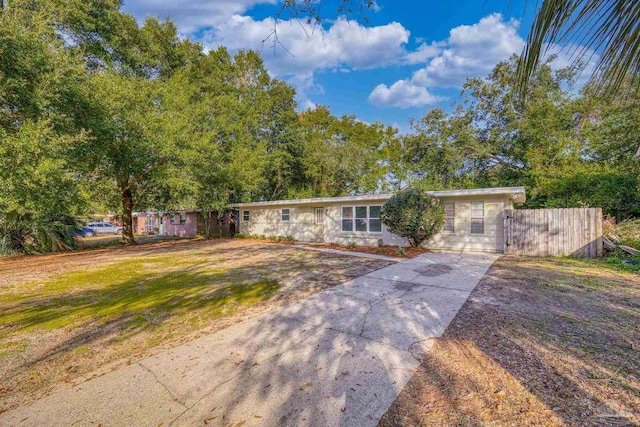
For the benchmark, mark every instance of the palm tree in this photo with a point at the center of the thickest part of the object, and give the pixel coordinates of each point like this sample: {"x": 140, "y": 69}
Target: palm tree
{"x": 610, "y": 28}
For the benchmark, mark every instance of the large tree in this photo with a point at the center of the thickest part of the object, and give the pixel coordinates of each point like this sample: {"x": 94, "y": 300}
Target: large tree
{"x": 566, "y": 148}
{"x": 134, "y": 143}
{"x": 341, "y": 155}
{"x": 44, "y": 110}
{"x": 236, "y": 130}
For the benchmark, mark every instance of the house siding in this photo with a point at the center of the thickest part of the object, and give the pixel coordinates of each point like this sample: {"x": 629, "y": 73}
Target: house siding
{"x": 301, "y": 226}
{"x": 492, "y": 240}
{"x": 189, "y": 229}
{"x": 268, "y": 222}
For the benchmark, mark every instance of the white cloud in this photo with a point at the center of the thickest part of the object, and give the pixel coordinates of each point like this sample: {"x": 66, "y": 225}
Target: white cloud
{"x": 423, "y": 53}
{"x": 402, "y": 94}
{"x": 191, "y": 16}
{"x": 344, "y": 46}
{"x": 469, "y": 51}
{"x": 472, "y": 50}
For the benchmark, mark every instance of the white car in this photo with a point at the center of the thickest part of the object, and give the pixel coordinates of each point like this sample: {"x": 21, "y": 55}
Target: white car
{"x": 105, "y": 227}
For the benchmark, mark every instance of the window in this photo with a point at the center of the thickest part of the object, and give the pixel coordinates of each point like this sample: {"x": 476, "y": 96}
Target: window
{"x": 450, "y": 217}
{"x": 347, "y": 218}
{"x": 245, "y": 215}
{"x": 319, "y": 215}
{"x": 375, "y": 225}
{"x": 477, "y": 218}
{"x": 363, "y": 218}
{"x": 285, "y": 215}
{"x": 179, "y": 218}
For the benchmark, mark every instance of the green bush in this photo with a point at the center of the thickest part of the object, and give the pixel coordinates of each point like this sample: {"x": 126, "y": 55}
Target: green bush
{"x": 623, "y": 261}
{"x": 21, "y": 234}
{"x": 414, "y": 215}
{"x": 629, "y": 232}
{"x": 401, "y": 251}
{"x": 352, "y": 245}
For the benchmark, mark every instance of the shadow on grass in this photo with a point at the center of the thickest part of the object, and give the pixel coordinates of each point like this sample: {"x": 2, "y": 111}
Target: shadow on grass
{"x": 128, "y": 303}
{"x": 567, "y": 338}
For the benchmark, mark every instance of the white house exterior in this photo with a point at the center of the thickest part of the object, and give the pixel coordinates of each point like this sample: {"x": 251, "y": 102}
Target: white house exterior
{"x": 475, "y": 219}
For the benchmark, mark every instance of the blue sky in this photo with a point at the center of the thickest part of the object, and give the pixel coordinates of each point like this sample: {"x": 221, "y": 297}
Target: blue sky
{"x": 409, "y": 56}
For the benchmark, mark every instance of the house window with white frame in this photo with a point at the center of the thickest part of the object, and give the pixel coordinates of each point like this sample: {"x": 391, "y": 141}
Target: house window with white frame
{"x": 245, "y": 216}
{"x": 284, "y": 215}
{"x": 450, "y": 217}
{"x": 375, "y": 224}
{"x": 361, "y": 219}
{"x": 183, "y": 218}
{"x": 477, "y": 218}
{"x": 347, "y": 218}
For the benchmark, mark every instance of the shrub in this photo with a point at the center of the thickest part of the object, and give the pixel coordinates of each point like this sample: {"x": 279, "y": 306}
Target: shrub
{"x": 414, "y": 215}
{"x": 629, "y": 232}
{"x": 29, "y": 235}
{"x": 401, "y": 251}
{"x": 352, "y": 245}
{"x": 623, "y": 261}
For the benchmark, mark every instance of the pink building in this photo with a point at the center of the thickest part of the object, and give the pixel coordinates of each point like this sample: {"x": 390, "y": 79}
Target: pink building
{"x": 182, "y": 223}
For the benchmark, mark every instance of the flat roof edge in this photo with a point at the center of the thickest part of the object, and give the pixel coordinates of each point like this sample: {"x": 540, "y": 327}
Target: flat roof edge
{"x": 514, "y": 192}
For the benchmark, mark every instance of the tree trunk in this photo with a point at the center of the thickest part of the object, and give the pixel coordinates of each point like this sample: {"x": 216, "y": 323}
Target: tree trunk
{"x": 206, "y": 218}
{"x": 127, "y": 217}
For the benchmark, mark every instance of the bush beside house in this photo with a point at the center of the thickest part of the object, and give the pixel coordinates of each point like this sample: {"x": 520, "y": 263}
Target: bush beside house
{"x": 413, "y": 214}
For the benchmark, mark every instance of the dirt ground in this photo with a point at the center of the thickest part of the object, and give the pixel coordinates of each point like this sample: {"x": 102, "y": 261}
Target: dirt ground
{"x": 67, "y": 317}
{"x": 540, "y": 342}
{"x": 113, "y": 240}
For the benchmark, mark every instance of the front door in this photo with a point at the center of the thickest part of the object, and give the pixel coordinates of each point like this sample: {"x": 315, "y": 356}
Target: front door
{"x": 318, "y": 224}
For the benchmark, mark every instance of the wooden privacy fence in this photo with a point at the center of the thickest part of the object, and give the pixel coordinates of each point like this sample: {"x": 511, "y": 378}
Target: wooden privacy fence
{"x": 553, "y": 232}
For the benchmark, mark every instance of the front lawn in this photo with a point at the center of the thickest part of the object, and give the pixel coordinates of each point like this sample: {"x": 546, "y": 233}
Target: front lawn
{"x": 66, "y": 317}
{"x": 539, "y": 342}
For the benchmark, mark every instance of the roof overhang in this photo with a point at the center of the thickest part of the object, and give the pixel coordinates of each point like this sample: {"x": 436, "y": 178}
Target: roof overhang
{"x": 517, "y": 194}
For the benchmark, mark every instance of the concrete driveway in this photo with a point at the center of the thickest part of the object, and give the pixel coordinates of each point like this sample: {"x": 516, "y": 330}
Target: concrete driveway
{"x": 338, "y": 358}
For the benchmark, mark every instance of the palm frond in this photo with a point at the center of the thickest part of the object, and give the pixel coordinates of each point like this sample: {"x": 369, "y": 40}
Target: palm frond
{"x": 607, "y": 28}
{"x": 19, "y": 234}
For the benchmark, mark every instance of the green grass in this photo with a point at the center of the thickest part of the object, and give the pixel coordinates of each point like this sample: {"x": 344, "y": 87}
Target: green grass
{"x": 132, "y": 294}
{"x": 616, "y": 261}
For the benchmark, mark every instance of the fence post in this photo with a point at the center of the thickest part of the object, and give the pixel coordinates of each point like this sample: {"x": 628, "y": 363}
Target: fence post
{"x": 507, "y": 231}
